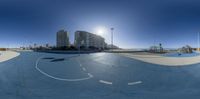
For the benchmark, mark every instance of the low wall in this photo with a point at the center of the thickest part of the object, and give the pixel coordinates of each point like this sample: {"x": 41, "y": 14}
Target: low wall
{"x": 69, "y": 52}
{"x": 2, "y": 49}
{"x": 124, "y": 51}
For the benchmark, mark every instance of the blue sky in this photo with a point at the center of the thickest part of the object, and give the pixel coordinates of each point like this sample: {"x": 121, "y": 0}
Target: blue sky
{"x": 137, "y": 23}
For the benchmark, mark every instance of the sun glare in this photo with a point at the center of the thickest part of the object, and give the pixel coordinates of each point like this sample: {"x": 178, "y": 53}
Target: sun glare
{"x": 100, "y": 31}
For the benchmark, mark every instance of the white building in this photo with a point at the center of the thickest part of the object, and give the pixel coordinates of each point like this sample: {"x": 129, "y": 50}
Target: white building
{"x": 62, "y": 39}
{"x": 88, "y": 40}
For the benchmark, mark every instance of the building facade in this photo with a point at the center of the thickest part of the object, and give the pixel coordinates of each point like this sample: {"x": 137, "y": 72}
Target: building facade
{"x": 88, "y": 40}
{"x": 62, "y": 39}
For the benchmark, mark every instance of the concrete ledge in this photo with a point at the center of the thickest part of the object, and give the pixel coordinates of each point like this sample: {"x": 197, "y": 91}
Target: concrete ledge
{"x": 7, "y": 55}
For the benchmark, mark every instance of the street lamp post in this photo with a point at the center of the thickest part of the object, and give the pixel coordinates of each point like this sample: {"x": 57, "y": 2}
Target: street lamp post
{"x": 79, "y": 49}
{"x": 198, "y": 42}
{"x": 81, "y": 43}
{"x": 112, "y": 29}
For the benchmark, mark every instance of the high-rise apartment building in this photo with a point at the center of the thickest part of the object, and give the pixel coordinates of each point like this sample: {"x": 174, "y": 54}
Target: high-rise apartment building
{"x": 62, "y": 39}
{"x": 88, "y": 40}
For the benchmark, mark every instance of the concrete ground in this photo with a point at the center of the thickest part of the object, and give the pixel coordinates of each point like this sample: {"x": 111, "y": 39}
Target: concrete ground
{"x": 164, "y": 59}
{"x": 35, "y": 75}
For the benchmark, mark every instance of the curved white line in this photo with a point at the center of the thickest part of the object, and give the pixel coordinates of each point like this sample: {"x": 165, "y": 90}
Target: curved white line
{"x": 84, "y": 69}
{"x": 56, "y": 78}
{"x": 105, "y": 82}
{"x": 90, "y": 75}
{"x": 134, "y": 83}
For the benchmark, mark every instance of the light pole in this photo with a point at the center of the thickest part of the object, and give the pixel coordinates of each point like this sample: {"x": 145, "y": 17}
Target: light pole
{"x": 112, "y": 29}
{"x": 79, "y": 49}
{"x": 198, "y": 43}
{"x": 81, "y": 43}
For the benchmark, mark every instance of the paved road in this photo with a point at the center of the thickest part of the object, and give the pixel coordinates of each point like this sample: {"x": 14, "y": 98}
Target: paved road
{"x": 35, "y": 75}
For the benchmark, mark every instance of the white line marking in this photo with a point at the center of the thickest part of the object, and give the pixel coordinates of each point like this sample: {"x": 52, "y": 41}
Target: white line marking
{"x": 134, "y": 83}
{"x": 90, "y": 75}
{"x": 79, "y": 63}
{"x": 56, "y": 78}
{"x": 105, "y": 82}
{"x": 84, "y": 69}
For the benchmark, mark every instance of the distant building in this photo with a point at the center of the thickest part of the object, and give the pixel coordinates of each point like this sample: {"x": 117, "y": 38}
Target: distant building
{"x": 47, "y": 45}
{"x": 35, "y": 45}
{"x": 110, "y": 46}
{"x": 88, "y": 40}
{"x": 62, "y": 39}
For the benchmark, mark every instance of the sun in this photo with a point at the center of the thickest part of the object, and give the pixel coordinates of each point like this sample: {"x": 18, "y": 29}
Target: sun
{"x": 100, "y": 31}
